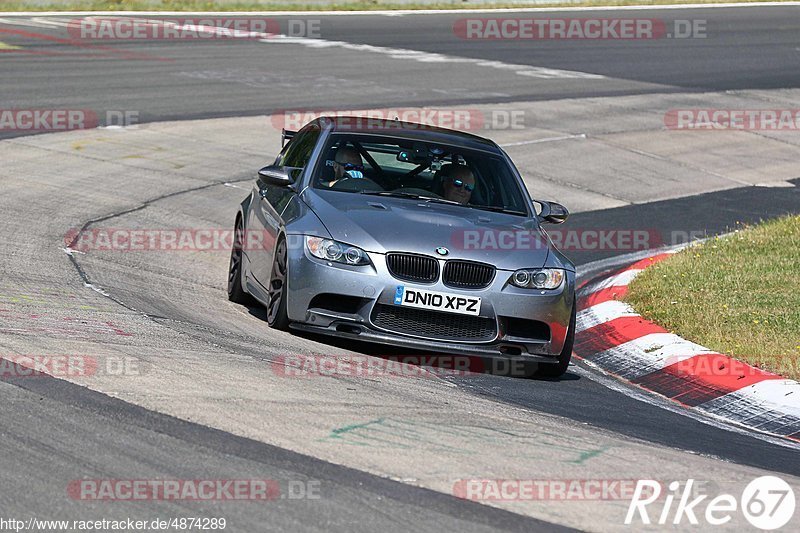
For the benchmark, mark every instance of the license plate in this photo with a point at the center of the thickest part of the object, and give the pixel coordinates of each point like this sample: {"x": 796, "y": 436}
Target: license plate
{"x": 437, "y": 301}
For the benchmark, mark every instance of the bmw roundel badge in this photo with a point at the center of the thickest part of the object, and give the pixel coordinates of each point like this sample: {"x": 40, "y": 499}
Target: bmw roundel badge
{"x": 442, "y": 250}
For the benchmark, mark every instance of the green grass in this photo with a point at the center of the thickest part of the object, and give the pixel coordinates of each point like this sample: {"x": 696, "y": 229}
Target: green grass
{"x": 738, "y": 295}
{"x": 288, "y": 5}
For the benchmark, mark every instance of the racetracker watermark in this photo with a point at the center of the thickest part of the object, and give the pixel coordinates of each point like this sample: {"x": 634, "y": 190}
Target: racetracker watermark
{"x": 402, "y": 366}
{"x": 191, "y": 29}
{"x": 463, "y": 119}
{"x": 50, "y": 120}
{"x": 69, "y": 366}
{"x": 547, "y": 28}
{"x": 563, "y": 239}
{"x": 163, "y": 240}
{"x": 714, "y": 365}
{"x": 733, "y": 119}
{"x": 25, "y": 120}
{"x": 545, "y": 489}
{"x": 78, "y": 240}
{"x": 193, "y": 489}
{"x": 222, "y": 239}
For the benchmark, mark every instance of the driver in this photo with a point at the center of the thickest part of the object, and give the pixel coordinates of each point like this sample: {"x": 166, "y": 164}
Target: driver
{"x": 347, "y": 163}
{"x": 458, "y": 183}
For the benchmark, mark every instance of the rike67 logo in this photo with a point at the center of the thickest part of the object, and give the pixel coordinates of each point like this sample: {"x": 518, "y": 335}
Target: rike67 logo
{"x": 767, "y": 502}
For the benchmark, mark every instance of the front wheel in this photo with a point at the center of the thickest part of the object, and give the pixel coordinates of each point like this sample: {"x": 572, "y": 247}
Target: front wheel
{"x": 554, "y": 370}
{"x": 277, "y": 317}
{"x": 236, "y": 292}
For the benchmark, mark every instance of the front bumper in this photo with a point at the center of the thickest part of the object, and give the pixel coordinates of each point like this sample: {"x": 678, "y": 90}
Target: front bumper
{"x": 373, "y": 286}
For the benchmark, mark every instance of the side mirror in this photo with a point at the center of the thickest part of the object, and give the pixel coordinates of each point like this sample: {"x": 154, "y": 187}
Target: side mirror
{"x": 552, "y": 212}
{"x": 273, "y": 175}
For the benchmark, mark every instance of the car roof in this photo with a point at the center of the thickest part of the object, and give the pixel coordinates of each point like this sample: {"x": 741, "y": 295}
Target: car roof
{"x": 406, "y": 130}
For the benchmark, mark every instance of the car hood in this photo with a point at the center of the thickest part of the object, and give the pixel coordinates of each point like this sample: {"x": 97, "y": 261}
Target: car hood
{"x": 383, "y": 224}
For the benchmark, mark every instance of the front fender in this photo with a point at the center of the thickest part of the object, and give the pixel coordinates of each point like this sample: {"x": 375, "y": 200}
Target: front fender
{"x": 300, "y": 219}
{"x": 244, "y": 207}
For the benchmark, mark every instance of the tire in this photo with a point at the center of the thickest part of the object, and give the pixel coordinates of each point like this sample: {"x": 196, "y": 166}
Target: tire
{"x": 277, "y": 317}
{"x": 556, "y": 370}
{"x": 236, "y": 292}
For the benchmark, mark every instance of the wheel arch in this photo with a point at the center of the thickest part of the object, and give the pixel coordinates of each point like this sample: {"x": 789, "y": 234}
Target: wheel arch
{"x": 244, "y": 206}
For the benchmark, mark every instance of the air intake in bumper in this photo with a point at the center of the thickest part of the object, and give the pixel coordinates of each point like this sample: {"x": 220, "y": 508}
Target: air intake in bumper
{"x": 434, "y": 325}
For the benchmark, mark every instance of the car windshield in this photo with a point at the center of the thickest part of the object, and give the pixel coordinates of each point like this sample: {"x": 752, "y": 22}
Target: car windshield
{"x": 407, "y": 168}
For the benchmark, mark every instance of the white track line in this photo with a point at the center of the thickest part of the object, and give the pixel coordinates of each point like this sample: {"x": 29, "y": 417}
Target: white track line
{"x": 432, "y": 57}
{"x": 58, "y": 22}
{"x": 394, "y": 53}
{"x": 28, "y": 23}
{"x": 545, "y": 140}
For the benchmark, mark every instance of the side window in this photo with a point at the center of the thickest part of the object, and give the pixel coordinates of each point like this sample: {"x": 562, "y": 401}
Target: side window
{"x": 298, "y": 152}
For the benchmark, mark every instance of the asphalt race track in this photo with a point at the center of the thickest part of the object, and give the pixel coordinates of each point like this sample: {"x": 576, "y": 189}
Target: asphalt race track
{"x": 745, "y": 49}
{"x": 208, "y": 399}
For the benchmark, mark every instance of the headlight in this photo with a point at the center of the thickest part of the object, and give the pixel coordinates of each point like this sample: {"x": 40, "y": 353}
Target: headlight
{"x": 338, "y": 252}
{"x": 539, "y": 278}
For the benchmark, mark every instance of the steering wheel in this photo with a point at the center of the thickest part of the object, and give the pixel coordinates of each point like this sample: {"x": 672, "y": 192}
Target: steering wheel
{"x": 356, "y": 184}
{"x": 417, "y": 190}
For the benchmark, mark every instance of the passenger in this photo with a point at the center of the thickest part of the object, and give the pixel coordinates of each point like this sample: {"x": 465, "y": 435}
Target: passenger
{"x": 458, "y": 183}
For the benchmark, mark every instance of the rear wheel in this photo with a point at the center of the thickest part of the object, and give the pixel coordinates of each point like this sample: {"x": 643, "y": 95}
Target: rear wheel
{"x": 277, "y": 316}
{"x": 236, "y": 292}
{"x": 554, "y": 370}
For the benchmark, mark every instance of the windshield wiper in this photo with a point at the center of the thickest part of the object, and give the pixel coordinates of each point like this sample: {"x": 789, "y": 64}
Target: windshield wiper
{"x": 431, "y": 199}
{"x": 392, "y": 193}
{"x": 440, "y": 200}
{"x": 499, "y": 209}
{"x": 399, "y": 194}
